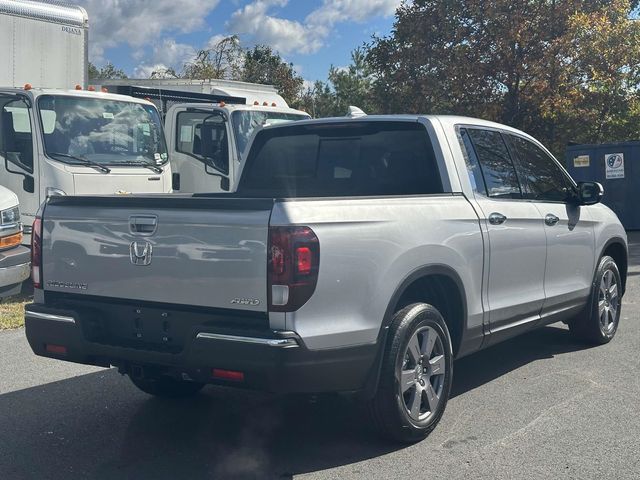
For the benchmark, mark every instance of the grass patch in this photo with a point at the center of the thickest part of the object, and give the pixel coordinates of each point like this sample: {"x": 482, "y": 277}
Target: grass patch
{"x": 12, "y": 312}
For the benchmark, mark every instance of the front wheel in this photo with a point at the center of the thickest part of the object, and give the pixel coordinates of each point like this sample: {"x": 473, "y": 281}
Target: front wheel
{"x": 416, "y": 375}
{"x": 600, "y": 323}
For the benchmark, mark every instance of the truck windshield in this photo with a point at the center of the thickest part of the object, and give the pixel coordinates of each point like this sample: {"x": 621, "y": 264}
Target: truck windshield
{"x": 346, "y": 159}
{"x": 103, "y": 131}
{"x": 246, "y": 121}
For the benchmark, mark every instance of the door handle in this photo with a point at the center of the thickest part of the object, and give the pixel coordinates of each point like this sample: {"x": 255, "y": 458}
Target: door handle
{"x": 497, "y": 218}
{"x": 551, "y": 219}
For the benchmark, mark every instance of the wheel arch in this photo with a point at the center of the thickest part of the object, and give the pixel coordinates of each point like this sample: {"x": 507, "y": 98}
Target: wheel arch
{"x": 427, "y": 284}
{"x": 616, "y": 248}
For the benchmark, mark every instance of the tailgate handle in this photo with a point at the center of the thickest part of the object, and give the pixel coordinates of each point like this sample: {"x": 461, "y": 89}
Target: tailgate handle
{"x": 143, "y": 224}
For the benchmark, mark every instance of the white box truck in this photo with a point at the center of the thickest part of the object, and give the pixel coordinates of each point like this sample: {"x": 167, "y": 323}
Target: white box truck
{"x": 209, "y": 124}
{"x": 56, "y": 137}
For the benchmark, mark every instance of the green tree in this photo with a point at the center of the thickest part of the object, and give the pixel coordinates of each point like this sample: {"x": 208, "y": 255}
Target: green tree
{"x": 319, "y": 101}
{"x": 353, "y": 85}
{"x": 223, "y": 61}
{"x": 108, "y": 72}
{"x": 519, "y": 62}
{"x": 263, "y": 65}
{"x": 164, "y": 72}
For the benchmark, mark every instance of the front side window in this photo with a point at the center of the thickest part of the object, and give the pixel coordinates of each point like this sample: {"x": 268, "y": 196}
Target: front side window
{"x": 351, "y": 159}
{"x": 497, "y": 168}
{"x": 245, "y": 123}
{"x": 16, "y": 141}
{"x": 203, "y": 136}
{"x": 108, "y": 132}
{"x": 541, "y": 177}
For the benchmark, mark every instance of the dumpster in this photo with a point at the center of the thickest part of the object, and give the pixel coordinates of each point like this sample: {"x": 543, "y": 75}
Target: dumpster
{"x": 617, "y": 167}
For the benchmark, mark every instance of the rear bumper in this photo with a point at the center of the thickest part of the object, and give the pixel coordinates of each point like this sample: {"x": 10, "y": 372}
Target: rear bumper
{"x": 272, "y": 361}
{"x": 15, "y": 268}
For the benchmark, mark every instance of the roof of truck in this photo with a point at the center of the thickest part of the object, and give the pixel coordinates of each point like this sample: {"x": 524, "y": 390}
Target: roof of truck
{"x": 36, "y": 92}
{"x": 444, "y": 119}
{"x": 51, "y": 11}
{"x": 244, "y": 107}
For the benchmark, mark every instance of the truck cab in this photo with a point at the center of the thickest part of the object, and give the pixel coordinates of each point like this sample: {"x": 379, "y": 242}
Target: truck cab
{"x": 207, "y": 142}
{"x": 209, "y": 125}
{"x": 75, "y": 142}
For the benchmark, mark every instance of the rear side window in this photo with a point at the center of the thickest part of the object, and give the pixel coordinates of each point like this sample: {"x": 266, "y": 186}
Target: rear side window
{"x": 496, "y": 164}
{"x": 471, "y": 160}
{"x": 351, "y": 159}
{"x": 541, "y": 177}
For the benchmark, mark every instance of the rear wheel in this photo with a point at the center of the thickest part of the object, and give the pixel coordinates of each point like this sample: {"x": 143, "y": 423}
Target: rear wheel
{"x": 167, "y": 387}
{"x": 416, "y": 375}
{"x": 600, "y": 322}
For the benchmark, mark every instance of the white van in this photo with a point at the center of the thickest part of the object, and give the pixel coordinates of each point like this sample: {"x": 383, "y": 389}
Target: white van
{"x": 14, "y": 258}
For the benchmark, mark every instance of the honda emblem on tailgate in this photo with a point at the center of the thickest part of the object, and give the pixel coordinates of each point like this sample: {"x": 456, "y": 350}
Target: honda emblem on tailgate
{"x": 140, "y": 253}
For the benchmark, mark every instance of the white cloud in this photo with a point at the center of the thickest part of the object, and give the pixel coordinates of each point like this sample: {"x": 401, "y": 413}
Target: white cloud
{"x": 166, "y": 54}
{"x": 289, "y": 36}
{"x": 283, "y": 35}
{"x": 335, "y": 11}
{"x": 139, "y": 23}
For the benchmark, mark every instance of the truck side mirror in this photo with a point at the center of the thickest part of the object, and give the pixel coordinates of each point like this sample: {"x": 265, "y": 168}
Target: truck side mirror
{"x": 28, "y": 184}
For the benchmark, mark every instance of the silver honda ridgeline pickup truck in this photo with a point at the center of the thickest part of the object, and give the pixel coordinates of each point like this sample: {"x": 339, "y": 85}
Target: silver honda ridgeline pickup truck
{"x": 358, "y": 255}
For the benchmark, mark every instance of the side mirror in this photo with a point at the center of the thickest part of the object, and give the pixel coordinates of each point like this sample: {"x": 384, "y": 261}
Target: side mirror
{"x": 224, "y": 180}
{"x": 589, "y": 193}
{"x": 28, "y": 184}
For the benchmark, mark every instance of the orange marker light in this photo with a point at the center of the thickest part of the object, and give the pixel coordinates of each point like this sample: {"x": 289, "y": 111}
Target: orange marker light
{"x": 274, "y": 104}
{"x": 104, "y": 90}
{"x": 11, "y": 241}
{"x": 222, "y": 104}
{"x": 256, "y": 102}
{"x": 27, "y": 86}
{"x": 78, "y": 87}
{"x": 91, "y": 88}
{"x": 265, "y": 104}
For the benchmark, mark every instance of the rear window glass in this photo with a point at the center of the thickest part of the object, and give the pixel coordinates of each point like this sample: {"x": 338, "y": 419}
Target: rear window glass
{"x": 351, "y": 159}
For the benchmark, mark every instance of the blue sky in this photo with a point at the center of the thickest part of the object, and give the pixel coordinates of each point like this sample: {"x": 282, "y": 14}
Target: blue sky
{"x": 142, "y": 35}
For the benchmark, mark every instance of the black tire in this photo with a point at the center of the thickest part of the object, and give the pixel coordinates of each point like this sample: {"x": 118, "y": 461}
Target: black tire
{"x": 167, "y": 387}
{"x": 389, "y": 409}
{"x": 590, "y": 326}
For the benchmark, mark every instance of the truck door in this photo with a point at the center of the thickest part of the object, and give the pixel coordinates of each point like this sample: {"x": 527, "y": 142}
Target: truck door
{"x": 570, "y": 230}
{"x": 200, "y": 151}
{"x": 18, "y": 158}
{"x": 517, "y": 243}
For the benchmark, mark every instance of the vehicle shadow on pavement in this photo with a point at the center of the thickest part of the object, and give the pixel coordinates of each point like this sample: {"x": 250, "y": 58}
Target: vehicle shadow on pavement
{"x": 487, "y": 365}
{"x": 100, "y": 426}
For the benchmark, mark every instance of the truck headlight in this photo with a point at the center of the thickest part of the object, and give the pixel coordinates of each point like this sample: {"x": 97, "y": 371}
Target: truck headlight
{"x": 10, "y": 215}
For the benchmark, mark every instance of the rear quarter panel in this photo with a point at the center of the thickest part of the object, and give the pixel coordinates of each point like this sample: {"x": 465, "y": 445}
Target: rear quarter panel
{"x": 368, "y": 246}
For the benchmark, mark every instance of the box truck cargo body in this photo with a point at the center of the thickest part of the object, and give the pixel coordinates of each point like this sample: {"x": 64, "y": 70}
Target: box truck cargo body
{"x": 44, "y": 44}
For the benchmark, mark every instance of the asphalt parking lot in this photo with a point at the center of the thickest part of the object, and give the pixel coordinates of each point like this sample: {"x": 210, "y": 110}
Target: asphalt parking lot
{"x": 539, "y": 406}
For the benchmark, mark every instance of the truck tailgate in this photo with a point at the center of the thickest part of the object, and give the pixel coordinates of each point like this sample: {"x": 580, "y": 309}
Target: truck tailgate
{"x": 197, "y": 251}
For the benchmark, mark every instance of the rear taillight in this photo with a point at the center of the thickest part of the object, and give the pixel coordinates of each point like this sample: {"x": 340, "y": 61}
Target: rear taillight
{"x": 36, "y": 253}
{"x": 294, "y": 260}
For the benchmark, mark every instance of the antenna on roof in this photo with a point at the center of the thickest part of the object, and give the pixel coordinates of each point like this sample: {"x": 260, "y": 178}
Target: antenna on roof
{"x": 355, "y": 112}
